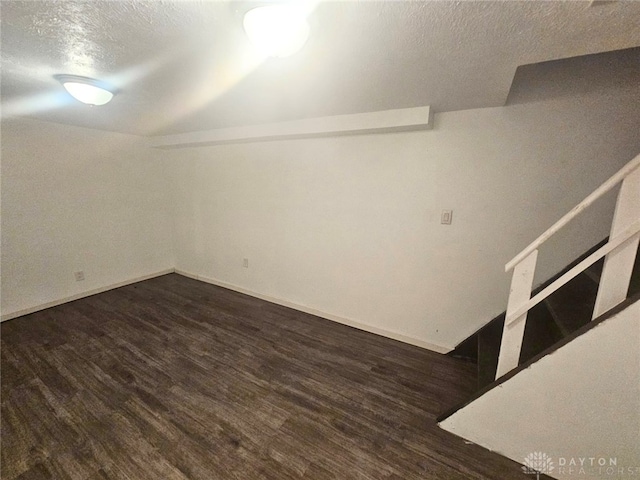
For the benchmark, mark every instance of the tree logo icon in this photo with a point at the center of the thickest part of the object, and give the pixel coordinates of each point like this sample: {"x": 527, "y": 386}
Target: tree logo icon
{"x": 537, "y": 463}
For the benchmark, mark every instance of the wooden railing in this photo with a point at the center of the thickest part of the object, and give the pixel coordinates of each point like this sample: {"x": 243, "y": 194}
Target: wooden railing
{"x": 619, "y": 253}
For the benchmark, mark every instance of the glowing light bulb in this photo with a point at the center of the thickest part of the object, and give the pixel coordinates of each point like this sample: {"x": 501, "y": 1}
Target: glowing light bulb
{"x": 86, "y": 90}
{"x": 277, "y": 30}
{"x": 89, "y": 94}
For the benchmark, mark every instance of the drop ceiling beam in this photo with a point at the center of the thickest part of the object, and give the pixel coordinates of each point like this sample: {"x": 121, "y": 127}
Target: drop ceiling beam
{"x": 398, "y": 120}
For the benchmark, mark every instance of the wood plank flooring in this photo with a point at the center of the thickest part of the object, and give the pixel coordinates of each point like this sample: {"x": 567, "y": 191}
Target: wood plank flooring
{"x": 172, "y": 378}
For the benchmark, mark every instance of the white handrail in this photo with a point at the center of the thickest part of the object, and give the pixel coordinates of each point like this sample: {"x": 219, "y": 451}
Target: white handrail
{"x": 597, "y": 193}
{"x": 575, "y": 271}
{"x": 620, "y": 252}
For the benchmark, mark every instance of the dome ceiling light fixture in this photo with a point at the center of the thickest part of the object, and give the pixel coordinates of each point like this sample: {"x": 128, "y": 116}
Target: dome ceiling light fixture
{"x": 277, "y": 30}
{"x": 86, "y": 90}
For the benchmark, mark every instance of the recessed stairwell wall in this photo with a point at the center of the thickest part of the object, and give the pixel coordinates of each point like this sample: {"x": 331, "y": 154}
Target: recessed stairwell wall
{"x": 349, "y": 227}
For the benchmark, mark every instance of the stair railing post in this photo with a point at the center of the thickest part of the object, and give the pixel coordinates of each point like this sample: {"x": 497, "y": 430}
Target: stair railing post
{"x": 618, "y": 264}
{"x": 513, "y": 331}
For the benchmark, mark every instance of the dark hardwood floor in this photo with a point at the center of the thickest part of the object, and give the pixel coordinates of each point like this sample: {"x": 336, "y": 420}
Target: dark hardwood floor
{"x": 172, "y": 378}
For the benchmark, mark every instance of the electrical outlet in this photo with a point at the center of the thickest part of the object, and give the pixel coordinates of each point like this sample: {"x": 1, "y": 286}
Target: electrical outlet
{"x": 446, "y": 217}
{"x": 79, "y": 276}
{"x": 245, "y": 262}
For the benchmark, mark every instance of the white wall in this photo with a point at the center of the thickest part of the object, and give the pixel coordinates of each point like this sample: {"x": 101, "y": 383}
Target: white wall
{"x": 349, "y": 226}
{"x": 78, "y": 199}
{"x": 582, "y": 401}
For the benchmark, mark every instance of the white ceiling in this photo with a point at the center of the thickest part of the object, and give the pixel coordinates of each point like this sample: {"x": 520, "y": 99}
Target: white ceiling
{"x": 186, "y": 65}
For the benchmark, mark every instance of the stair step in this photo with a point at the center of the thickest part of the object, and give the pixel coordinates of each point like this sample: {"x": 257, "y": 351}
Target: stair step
{"x": 540, "y": 332}
{"x": 489, "y": 340}
{"x": 572, "y": 304}
{"x": 467, "y": 350}
{"x": 561, "y": 314}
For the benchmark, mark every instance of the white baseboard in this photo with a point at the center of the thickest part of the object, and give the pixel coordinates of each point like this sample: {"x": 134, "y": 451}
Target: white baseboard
{"x": 27, "y": 311}
{"x": 279, "y": 301}
{"x": 302, "y": 308}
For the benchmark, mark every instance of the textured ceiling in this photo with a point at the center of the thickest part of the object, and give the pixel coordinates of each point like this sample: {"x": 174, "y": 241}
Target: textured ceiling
{"x": 186, "y": 65}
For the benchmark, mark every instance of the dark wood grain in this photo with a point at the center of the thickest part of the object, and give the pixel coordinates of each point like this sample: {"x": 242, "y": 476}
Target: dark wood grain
{"x": 176, "y": 379}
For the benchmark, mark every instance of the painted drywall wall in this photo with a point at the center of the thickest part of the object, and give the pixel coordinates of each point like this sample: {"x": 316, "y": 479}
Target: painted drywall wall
{"x": 350, "y": 227}
{"x": 76, "y": 199}
{"x": 566, "y": 411}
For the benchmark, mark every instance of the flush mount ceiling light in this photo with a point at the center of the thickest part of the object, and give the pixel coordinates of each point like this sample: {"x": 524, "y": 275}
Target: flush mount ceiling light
{"x": 277, "y": 30}
{"x": 86, "y": 90}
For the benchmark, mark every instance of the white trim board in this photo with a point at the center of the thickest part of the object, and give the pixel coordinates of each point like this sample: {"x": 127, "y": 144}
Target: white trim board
{"x": 385, "y": 121}
{"x": 77, "y": 296}
{"x": 318, "y": 313}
